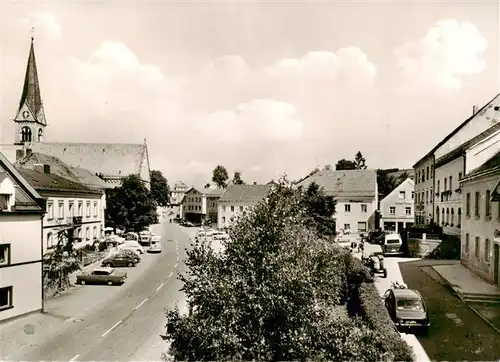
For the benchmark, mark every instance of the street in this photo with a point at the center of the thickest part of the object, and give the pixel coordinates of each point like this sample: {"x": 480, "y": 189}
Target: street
{"x": 125, "y": 322}
{"x": 456, "y": 332}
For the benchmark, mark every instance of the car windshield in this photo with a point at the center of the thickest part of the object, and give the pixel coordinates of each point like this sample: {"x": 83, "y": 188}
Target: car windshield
{"x": 130, "y": 237}
{"x": 392, "y": 241}
{"x": 410, "y": 304}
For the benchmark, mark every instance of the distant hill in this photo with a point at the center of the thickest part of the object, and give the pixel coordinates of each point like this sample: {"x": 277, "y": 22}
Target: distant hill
{"x": 396, "y": 173}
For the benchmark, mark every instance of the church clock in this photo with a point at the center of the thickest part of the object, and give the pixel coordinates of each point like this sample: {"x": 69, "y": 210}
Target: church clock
{"x": 26, "y": 114}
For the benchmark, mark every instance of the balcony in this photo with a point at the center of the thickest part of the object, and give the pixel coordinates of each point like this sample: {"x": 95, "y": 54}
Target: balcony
{"x": 77, "y": 220}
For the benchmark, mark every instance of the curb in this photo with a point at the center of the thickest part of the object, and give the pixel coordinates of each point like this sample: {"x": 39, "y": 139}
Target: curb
{"x": 462, "y": 299}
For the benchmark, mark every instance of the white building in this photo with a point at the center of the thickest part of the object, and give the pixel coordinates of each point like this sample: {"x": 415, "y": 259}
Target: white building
{"x": 236, "y": 200}
{"x": 356, "y": 194}
{"x": 397, "y": 208}
{"x": 73, "y": 210}
{"x": 22, "y": 209}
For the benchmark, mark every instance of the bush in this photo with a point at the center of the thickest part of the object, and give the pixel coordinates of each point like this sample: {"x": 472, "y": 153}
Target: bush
{"x": 448, "y": 249}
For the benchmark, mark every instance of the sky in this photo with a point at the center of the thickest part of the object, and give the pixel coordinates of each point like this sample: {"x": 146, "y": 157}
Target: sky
{"x": 263, "y": 88}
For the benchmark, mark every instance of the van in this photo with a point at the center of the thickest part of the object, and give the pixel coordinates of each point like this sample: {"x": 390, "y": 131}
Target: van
{"x": 392, "y": 243}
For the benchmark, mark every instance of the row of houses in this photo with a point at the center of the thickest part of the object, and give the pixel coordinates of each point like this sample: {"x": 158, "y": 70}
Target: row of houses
{"x": 457, "y": 186}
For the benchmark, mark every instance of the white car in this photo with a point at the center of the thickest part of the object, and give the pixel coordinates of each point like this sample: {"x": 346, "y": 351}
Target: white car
{"x": 155, "y": 247}
{"x": 131, "y": 245}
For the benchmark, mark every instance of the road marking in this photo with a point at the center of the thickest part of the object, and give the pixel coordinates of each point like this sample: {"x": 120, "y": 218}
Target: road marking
{"x": 170, "y": 275}
{"x": 74, "y": 358}
{"x": 109, "y": 330}
{"x": 161, "y": 285}
{"x": 141, "y": 303}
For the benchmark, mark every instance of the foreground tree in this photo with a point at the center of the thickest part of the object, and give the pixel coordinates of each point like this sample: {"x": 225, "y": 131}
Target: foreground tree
{"x": 130, "y": 206}
{"x": 237, "y": 179}
{"x": 344, "y": 164}
{"x": 319, "y": 209}
{"x": 159, "y": 188}
{"x": 220, "y": 176}
{"x": 385, "y": 182}
{"x": 276, "y": 291}
{"x": 359, "y": 161}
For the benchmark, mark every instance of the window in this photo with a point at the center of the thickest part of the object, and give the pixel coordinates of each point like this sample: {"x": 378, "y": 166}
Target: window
{"x": 80, "y": 208}
{"x": 6, "y": 298}
{"x": 487, "y": 204}
{"x": 26, "y": 134}
{"x": 347, "y": 207}
{"x": 445, "y": 184}
{"x": 364, "y": 208}
{"x": 408, "y": 210}
{"x": 223, "y": 208}
{"x": 232, "y": 208}
{"x": 476, "y": 204}
{"x": 459, "y": 175}
{"x": 426, "y": 196}
{"x": 451, "y": 181}
{"x": 459, "y": 216}
{"x": 347, "y": 226}
{"x": 60, "y": 210}
{"x": 224, "y": 219}
{"x": 412, "y": 195}
{"x": 476, "y": 248}
{"x": 402, "y": 195}
{"x": 467, "y": 204}
{"x": 418, "y": 177}
{"x": 50, "y": 241}
{"x": 87, "y": 233}
{"x": 467, "y": 239}
{"x": 438, "y": 186}
{"x": 486, "y": 249}
{"x": 95, "y": 232}
{"x": 88, "y": 209}
{"x": 241, "y": 208}
{"x": 4, "y": 254}
{"x": 95, "y": 209}
{"x": 4, "y": 202}
{"x": 361, "y": 226}
{"x": 50, "y": 210}
{"x": 452, "y": 220}
{"x": 392, "y": 210}
{"x": 427, "y": 173}
{"x": 71, "y": 208}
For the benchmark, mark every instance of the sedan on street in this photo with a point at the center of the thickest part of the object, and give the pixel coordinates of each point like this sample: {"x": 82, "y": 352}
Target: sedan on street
{"x": 117, "y": 260}
{"x": 109, "y": 276}
{"x": 407, "y": 308}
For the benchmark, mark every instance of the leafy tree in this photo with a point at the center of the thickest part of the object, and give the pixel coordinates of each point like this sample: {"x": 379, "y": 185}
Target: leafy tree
{"x": 160, "y": 190}
{"x": 207, "y": 185}
{"x": 359, "y": 161}
{"x": 319, "y": 209}
{"x": 344, "y": 164}
{"x": 237, "y": 179}
{"x": 276, "y": 291}
{"x": 220, "y": 176}
{"x": 131, "y": 205}
{"x": 328, "y": 168}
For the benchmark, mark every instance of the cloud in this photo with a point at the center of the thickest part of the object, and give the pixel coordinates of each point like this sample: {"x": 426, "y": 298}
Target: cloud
{"x": 449, "y": 51}
{"x": 259, "y": 119}
{"x": 44, "y": 24}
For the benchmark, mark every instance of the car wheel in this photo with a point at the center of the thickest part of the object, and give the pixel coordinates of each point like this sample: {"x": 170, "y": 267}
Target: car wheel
{"x": 130, "y": 264}
{"x": 82, "y": 282}
{"x": 110, "y": 282}
{"x": 136, "y": 260}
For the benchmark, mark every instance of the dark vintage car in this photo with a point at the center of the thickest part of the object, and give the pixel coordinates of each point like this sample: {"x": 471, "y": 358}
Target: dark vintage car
{"x": 374, "y": 236}
{"x": 130, "y": 253}
{"x": 117, "y": 260}
{"x": 407, "y": 308}
{"x": 109, "y": 276}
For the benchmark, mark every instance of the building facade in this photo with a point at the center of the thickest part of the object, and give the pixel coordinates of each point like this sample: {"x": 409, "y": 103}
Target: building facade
{"x": 73, "y": 210}
{"x": 176, "y": 195}
{"x": 480, "y": 241}
{"x": 192, "y": 206}
{"x": 397, "y": 208}
{"x": 425, "y": 182}
{"x": 211, "y": 200}
{"x": 237, "y": 200}
{"x": 356, "y": 193}
{"x": 21, "y": 285}
{"x": 111, "y": 161}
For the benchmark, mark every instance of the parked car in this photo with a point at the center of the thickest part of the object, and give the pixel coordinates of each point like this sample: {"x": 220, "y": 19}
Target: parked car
{"x": 144, "y": 238}
{"x": 132, "y": 245}
{"x": 407, "y": 308}
{"x": 392, "y": 243}
{"x": 373, "y": 259}
{"x": 117, "y": 260}
{"x": 131, "y": 253}
{"x": 374, "y": 235}
{"x": 155, "y": 247}
{"x": 132, "y": 236}
{"x": 108, "y": 276}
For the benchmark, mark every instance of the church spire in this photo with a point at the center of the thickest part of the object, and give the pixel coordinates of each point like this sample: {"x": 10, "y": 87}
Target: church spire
{"x": 30, "y": 104}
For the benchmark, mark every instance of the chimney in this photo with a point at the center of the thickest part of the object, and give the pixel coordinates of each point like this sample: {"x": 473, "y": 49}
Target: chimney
{"x": 38, "y": 167}
{"x": 46, "y": 168}
{"x": 255, "y": 183}
{"x": 475, "y": 108}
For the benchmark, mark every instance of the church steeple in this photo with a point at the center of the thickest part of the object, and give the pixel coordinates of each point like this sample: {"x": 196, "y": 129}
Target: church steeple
{"x": 30, "y": 118}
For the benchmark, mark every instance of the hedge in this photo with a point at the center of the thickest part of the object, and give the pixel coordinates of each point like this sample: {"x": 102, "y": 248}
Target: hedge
{"x": 376, "y": 317}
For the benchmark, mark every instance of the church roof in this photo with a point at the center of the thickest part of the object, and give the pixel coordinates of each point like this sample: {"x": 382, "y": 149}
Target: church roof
{"x": 107, "y": 159}
{"x": 58, "y": 167}
{"x": 31, "y": 95}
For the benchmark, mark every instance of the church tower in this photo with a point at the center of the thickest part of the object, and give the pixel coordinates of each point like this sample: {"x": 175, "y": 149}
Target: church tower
{"x": 30, "y": 117}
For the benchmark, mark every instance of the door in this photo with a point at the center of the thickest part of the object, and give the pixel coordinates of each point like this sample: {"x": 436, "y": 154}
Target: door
{"x": 496, "y": 255}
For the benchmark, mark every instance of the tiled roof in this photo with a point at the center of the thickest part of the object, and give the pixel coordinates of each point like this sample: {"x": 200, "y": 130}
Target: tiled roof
{"x": 216, "y": 192}
{"x": 50, "y": 182}
{"x": 491, "y": 165}
{"x": 108, "y": 159}
{"x": 457, "y": 152}
{"x": 57, "y": 167}
{"x": 345, "y": 182}
{"x": 245, "y": 193}
{"x": 455, "y": 131}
